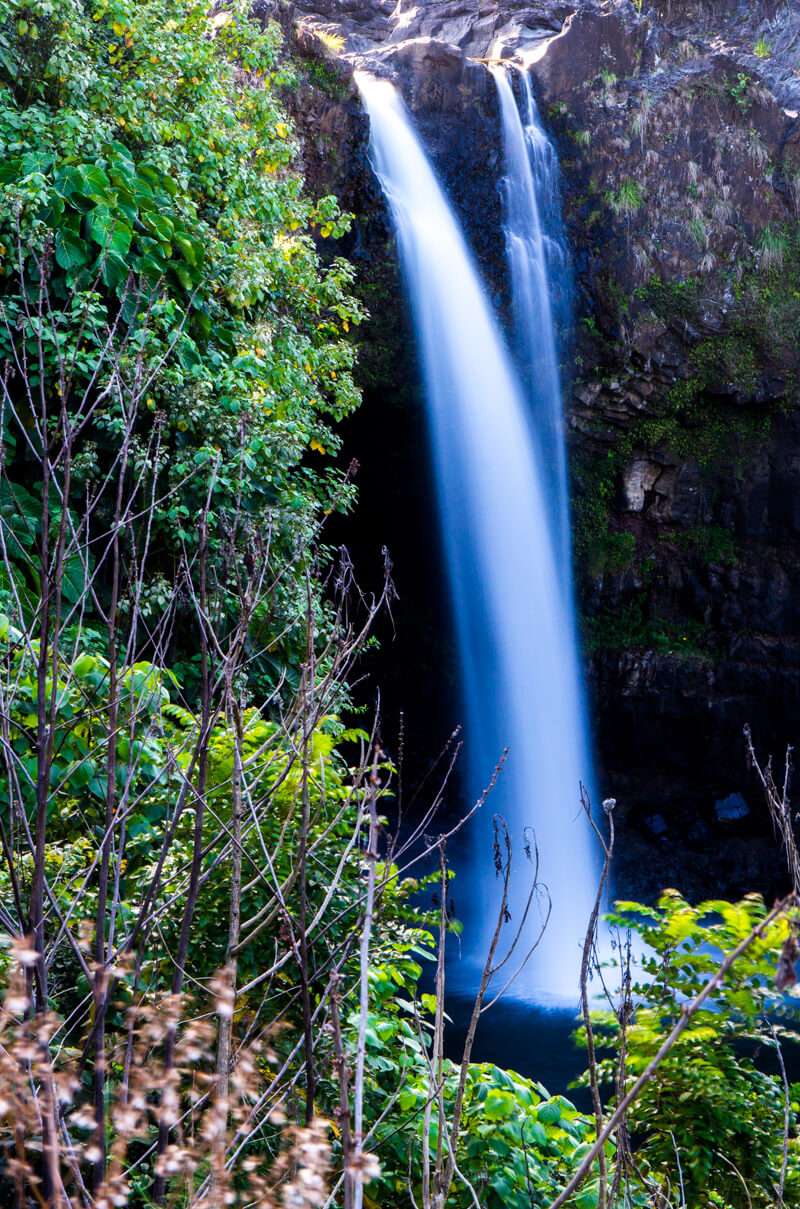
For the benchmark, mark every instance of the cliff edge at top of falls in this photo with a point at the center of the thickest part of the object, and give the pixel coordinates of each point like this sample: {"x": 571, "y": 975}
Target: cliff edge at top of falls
{"x": 378, "y": 35}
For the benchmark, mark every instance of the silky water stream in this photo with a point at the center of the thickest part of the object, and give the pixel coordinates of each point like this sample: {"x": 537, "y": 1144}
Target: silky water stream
{"x": 496, "y": 437}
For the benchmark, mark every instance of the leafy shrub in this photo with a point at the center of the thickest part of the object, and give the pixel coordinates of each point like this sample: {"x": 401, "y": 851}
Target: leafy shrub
{"x": 147, "y": 190}
{"x": 710, "y": 1121}
{"x": 739, "y": 90}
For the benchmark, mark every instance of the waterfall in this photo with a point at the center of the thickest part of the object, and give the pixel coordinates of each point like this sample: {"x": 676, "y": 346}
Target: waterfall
{"x": 540, "y": 285}
{"x": 513, "y": 620}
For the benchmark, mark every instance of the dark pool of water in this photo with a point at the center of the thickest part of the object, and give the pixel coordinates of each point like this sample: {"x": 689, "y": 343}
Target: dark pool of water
{"x": 537, "y": 1042}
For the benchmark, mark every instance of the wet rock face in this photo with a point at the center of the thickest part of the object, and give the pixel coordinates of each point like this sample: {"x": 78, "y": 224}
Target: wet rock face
{"x": 680, "y": 149}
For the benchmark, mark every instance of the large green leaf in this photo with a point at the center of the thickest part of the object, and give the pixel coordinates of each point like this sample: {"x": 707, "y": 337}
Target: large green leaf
{"x": 10, "y": 170}
{"x": 95, "y": 183}
{"x": 114, "y": 271}
{"x": 109, "y": 231}
{"x": 184, "y": 276}
{"x": 191, "y": 249}
{"x": 163, "y": 228}
{"x": 157, "y": 180}
{"x": 69, "y": 183}
{"x": 549, "y": 1113}
{"x": 71, "y": 251}
{"x": 36, "y": 161}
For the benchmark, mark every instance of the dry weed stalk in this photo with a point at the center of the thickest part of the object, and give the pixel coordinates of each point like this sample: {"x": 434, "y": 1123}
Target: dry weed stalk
{"x": 588, "y": 960}
{"x": 778, "y": 804}
{"x": 441, "y": 1168}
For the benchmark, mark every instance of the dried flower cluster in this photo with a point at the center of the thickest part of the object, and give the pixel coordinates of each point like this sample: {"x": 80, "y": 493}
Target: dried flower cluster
{"x": 49, "y": 1131}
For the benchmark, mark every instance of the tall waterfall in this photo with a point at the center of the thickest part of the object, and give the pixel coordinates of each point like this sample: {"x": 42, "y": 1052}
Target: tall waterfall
{"x": 514, "y": 623}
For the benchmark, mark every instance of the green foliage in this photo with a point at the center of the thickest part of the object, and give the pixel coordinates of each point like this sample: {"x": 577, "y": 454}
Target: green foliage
{"x": 680, "y": 298}
{"x": 695, "y": 428}
{"x": 21, "y": 518}
{"x": 324, "y": 77}
{"x": 152, "y": 768}
{"x": 630, "y": 626}
{"x": 608, "y": 550}
{"x": 591, "y": 510}
{"x": 618, "y": 550}
{"x": 628, "y": 199}
{"x": 738, "y": 89}
{"x": 762, "y": 48}
{"x": 517, "y": 1144}
{"x": 711, "y": 542}
{"x": 708, "y": 1107}
{"x": 773, "y": 247}
{"x": 147, "y": 184}
{"x": 81, "y": 739}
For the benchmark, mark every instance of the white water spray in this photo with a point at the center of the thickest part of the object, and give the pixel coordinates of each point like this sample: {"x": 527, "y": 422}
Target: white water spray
{"x": 514, "y": 621}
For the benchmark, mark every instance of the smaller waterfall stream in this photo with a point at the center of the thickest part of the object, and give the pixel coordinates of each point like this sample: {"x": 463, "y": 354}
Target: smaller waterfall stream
{"x": 504, "y": 557}
{"x": 540, "y": 285}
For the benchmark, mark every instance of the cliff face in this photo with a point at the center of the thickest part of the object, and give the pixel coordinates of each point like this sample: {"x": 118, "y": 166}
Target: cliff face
{"x": 680, "y": 146}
